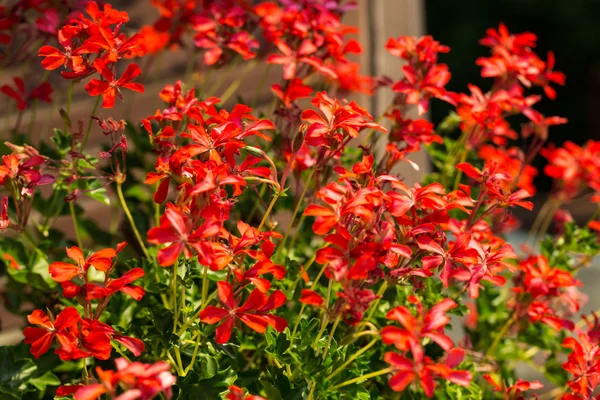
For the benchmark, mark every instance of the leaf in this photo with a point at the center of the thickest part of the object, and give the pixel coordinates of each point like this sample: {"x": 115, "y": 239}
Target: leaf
{"x": 193, "y": 388}
{"x": 100, "y": 194}
{"x": 48, "y": 379}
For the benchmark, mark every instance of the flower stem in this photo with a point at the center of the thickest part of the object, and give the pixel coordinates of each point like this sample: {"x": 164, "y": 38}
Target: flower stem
{"x": 89, "y": 127}
{"x": 75, "y": 224}
{"x": 363, "y": 378}
{"x": 204, "y": 287}
{"x": 501, "y": 334}
{"x": 296, "y": 209}
{"x": 174, "y": 298}
{"x": 269, "y": 209}
{"x": 131, "y": 221}
{"x": 333, "y": 328}
{"x": 352, "y": 358}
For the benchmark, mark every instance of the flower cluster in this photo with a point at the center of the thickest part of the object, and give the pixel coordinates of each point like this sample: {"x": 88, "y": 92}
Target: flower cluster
{"x": 428, "y": 324}
{"x": 94, "y": 45}
{"x": 82, "y": 336}
{"x": 270, "y": 254}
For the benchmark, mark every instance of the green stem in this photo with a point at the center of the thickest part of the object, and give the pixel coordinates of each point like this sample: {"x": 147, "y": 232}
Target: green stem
{"x": 75, "y": 224}
{"x": 89, "y": 127}
{"x": 463, "y": 157}
{"x": 333, "y": 328}
{"x": 69, "y": 98}
{"x": 363, "y": 378}
{"x": 352, "y": 358}
{"x": 380, "y": 293}
{"x": 269, "y": 209}
{"x": 194, "y": 354}
{"x": 174, "y": 298}
{"x": 296, "y": 209}
{"x": 131, "y": 221}
{"x": 501, "y": 334}
{"x": 204, "y": 287}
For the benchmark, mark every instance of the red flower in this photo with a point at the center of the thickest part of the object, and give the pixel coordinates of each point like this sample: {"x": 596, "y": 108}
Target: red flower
{"x": 135, "y": 379}
{"x": 71, "y": 58}
{"x": 583, "y": 363}
{"x": 20, "y": 95}
{"x": 4, "y": 221}
{"x": 253, "y": 313}
{"x": 176, "y": 228}
{"x": 539, "y": 311}
{"x": 426, "y": 372}
{"x": 41, "y": 338}
{"x": 63, "y": 272}
{"x": 110, "y": 88}
{"x": 428, "y": 324}
{"x": 237, "y": 393}
{"x": 459, "y": 251}
{"x": 294, "y": 90}
{"x": 514, "y": 391}
{"x": 311, "y": 297}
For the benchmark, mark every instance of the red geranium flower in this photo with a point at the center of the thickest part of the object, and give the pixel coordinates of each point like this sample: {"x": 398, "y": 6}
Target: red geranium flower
{"x": 110, "y": 88}
{"x": 41, "y": 338}
{"x": 253, "y": 313}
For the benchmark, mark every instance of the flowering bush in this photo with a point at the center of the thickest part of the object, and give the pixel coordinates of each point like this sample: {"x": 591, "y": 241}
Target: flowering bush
{"x": 277, "y": 253}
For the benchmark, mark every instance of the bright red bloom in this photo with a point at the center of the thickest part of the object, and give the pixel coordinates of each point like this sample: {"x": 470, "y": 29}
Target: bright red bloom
{"x": 101, "y": 260}
{"x": 135, "y": 379}
{"x": 69, "y": 58}
{"x": 583, "y": 362}
{"x": 253, "y": 313}
{"x": 177, "y": 229}
{"x": 110, "y": 88}
{"x": 294, "y": 90}
{"x": 516, "y": 390}
{"x": 311, "y": 297}
{"x": 539, "y": 311}
{"x": 459, "y": 251}
{"x": 427, "y": 324}
{"x": 426, "y": 371}
{"x": 41, "y": 338}
{"x": 237, "y": 393}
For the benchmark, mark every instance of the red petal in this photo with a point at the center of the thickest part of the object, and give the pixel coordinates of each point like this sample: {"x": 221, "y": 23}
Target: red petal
{"x": 311, "y": 297}
{"x": 224, "y": 330}
{"x": 168, "y": 255}
{"x": 63, "y": 272}
{"x": 212, "y": 315}
{"x": 136, "y": 346}
{"x": 225, "y": 293}
{"x": 90, "y": 392}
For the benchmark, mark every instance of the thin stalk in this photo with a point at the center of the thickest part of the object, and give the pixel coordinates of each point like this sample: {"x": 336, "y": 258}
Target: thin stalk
{"x": 296, "y": 209}
{"x": 333, "y": 328}
{"x": 174, "y": 298}
{"x": 363, "y": 378}
{"x": 380, "y": 293}
{"x": 352, "y": 358}
{"x": 194, "y": 354}
{"x": 69, "y": 98}
{"x": 204, "y": 287}
{"x": 304, "y": 305}
{"x": 89, "y": 127}
{"x": 501, "y": 334}
{"x": 269, "y": 209}
{"x": 131, "y": 221}
{"x": 75, "y": 224}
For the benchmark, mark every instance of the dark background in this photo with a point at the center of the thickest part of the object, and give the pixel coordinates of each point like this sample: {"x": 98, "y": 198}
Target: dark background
{"x": 571, "y": 28}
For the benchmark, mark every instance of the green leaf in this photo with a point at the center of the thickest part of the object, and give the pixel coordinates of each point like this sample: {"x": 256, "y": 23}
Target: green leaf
{"x": 48, "y": 379}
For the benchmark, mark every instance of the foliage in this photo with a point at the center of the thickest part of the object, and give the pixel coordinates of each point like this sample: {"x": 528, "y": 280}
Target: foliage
{"x": 270, "y": 256}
